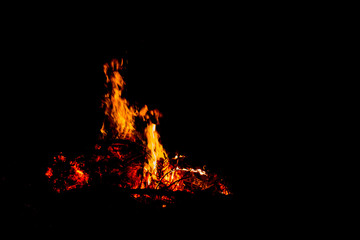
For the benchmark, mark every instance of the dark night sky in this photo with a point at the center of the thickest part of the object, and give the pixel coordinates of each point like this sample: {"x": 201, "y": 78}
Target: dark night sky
{"x": 215, "y": 84}
{"x": 228, "y": 80}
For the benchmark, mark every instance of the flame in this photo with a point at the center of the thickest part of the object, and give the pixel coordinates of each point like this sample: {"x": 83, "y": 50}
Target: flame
{"x": 121, "y": 117}
{"x": 79, "y": 176}
{"x": 200, "y": 171}
{"x": 156, "y": 149}
{"x": 157, "y": 171}
{"x": 73, "y": 176}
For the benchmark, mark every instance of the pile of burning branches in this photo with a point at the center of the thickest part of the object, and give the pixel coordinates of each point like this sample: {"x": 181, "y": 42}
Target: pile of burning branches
{"x": 129, "y": 154}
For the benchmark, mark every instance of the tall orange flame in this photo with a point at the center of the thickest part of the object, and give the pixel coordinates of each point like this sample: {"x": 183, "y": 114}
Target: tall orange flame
{"x": 121, "y": 117}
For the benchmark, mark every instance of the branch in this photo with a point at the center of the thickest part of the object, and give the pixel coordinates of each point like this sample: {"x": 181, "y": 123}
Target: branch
{"x": 163, "y": 177}
{"x": 181, "y": 179}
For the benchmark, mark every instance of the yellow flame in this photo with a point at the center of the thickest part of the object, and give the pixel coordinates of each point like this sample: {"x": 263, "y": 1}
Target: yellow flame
{"x": 121, "y": 117}
{"x": 157, "y": 151}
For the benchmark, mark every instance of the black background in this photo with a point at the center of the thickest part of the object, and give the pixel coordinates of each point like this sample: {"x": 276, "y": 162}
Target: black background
{"x": 219, "y": 84}
{"x": 201, "y": 84}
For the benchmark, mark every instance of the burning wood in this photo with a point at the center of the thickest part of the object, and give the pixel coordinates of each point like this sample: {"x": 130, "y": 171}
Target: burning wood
{"x": 129, "y": 154}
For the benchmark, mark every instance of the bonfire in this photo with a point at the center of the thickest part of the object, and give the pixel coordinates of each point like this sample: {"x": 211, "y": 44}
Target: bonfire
{"x": 129, "y": 155}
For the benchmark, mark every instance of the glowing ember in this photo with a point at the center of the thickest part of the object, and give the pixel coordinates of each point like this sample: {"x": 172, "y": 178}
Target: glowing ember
{"x": 49, "y": 173}
{"x": 130, "y": 156}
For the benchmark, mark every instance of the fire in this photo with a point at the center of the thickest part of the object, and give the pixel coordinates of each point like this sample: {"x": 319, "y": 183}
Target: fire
{"x": 73, "y": 175}
{"x": 121, "y": 117}
{"x": 201, "y": 172}
{"x": 49, "y": 173}
{"x": 121, "y": 120}
{"x": 131, "y": 154}
{"x": 79, "y": 177}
